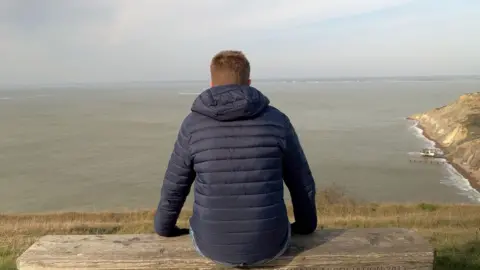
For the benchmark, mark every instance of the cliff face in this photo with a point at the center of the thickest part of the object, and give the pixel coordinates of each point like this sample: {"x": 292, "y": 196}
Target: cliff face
{"x": 456, "y": 129}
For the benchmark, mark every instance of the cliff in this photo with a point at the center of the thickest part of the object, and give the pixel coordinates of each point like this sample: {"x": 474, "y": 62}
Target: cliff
{"x": 456, "y": 130}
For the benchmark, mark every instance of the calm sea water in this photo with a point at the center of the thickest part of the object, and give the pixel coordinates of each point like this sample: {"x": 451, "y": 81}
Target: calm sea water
{"x": 107, "y": 147}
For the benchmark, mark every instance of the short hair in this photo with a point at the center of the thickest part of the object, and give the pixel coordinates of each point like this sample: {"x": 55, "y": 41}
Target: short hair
{"x": 230, "y": 67}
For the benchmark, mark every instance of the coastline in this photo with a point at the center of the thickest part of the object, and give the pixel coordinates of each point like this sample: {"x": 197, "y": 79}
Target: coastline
{"x": 474, "y": 182}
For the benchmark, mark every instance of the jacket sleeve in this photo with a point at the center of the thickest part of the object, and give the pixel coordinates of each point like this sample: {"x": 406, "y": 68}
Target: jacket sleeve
{"x": 177, "y": 182}
{"x": 299, "y": 180}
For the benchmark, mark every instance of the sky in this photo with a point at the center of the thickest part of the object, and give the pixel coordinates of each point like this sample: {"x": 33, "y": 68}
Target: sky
{"x": 58, "y": 41}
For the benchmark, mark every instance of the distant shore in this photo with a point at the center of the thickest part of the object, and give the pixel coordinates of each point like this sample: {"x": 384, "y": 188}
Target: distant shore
{"x": 474, "y": 181}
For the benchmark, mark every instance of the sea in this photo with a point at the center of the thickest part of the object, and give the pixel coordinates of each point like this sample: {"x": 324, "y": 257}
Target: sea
{"x": 105, "y": 147}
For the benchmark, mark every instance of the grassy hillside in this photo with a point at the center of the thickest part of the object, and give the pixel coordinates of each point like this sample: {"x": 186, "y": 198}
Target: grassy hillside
{"x": 453, "y": 229}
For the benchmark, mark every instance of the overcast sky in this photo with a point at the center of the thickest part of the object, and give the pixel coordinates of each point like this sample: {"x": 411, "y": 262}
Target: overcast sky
{"x": 64, "y": 41}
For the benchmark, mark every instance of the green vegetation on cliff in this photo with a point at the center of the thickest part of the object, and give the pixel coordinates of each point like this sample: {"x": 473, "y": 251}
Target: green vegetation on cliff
{"x": 452, "y": 229}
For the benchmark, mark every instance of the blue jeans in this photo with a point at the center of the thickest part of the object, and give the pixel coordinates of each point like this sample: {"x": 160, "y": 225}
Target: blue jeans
{"x": 285, "y": 247}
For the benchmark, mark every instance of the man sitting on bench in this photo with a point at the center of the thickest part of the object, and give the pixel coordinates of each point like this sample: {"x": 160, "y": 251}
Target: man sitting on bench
{"x": 238, "y": 150}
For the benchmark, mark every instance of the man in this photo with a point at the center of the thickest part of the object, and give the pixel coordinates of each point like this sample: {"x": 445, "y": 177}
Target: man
{"x": 238, "y": 150}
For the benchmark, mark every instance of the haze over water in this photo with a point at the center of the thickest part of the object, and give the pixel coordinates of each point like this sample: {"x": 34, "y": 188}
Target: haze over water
{"x": 106, "y": 147}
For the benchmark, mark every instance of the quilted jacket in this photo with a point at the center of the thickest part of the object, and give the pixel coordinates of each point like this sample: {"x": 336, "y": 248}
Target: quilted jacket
{"x": 238, "y": 151}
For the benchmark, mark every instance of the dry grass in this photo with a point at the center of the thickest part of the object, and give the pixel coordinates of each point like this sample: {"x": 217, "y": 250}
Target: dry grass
{"x": 453, "y": 229}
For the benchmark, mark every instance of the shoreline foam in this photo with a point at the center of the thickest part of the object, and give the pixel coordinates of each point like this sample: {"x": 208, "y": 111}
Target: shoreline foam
{"x": 452, "y": 167}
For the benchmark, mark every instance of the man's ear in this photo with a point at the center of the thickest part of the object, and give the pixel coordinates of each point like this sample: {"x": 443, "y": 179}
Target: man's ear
{"x": 249, "y": 81}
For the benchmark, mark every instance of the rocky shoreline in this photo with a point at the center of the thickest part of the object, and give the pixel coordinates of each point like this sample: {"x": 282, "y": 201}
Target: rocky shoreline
{"x": 454, "y": 129}
{"x": 473, "y": 179}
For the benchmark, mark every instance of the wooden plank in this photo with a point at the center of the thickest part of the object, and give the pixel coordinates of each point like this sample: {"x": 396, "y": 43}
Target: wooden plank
{"x": 352, "y": 249}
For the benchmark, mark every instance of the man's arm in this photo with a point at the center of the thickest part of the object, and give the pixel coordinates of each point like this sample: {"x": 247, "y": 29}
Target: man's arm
{"x": 299, "y": 180}
{"x": 176, "y": 186}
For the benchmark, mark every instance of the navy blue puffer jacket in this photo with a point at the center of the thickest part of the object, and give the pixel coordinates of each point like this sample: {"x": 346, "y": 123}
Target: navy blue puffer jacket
{"x": 238, "y": 150}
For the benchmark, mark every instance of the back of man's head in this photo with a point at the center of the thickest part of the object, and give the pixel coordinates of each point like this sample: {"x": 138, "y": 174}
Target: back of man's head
{"x": 230, "y": 67}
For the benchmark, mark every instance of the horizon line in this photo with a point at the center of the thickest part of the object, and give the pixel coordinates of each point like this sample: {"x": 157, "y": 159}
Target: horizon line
{"x": 261, "y": 79}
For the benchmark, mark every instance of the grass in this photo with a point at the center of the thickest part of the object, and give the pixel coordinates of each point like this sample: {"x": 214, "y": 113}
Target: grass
{"x": 454, "y": 230}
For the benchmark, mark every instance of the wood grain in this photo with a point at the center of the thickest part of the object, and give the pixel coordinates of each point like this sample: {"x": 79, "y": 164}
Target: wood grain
{"x": 353, "y": 249}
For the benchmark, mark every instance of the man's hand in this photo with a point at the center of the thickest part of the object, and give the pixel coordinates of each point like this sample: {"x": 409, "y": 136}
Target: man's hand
{"x": 180, "y": 231}
{"x": 177, "y": 232}
{"x": 295, "y": 229}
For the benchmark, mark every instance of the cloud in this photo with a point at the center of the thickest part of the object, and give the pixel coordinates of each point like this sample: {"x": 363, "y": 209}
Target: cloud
{"x": 215, "y": 18}
{"x": 121, "y": 20}
{"x": 116, "y": 40}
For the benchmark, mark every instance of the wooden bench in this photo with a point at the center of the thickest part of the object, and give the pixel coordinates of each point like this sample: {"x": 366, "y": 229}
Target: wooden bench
{"x": 333, "y": 249}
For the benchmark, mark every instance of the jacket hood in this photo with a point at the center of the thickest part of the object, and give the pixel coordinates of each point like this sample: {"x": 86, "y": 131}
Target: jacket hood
{"x": 230, "y": 102}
